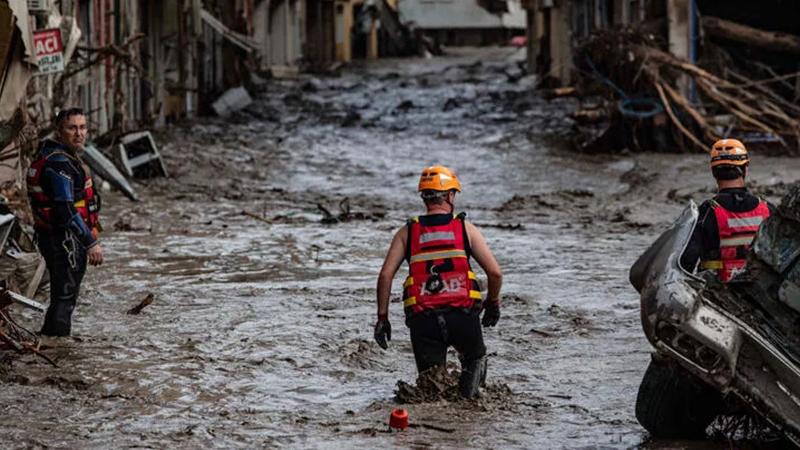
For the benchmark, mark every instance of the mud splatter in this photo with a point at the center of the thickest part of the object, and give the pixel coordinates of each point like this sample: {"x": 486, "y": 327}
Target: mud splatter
{"x": 440, "y": 384}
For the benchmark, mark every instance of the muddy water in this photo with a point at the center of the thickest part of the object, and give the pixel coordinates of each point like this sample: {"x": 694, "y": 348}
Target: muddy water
{"x": 261, "y": 334}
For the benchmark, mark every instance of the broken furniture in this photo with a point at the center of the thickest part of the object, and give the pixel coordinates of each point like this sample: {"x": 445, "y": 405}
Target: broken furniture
{"x": 140, "y": 157}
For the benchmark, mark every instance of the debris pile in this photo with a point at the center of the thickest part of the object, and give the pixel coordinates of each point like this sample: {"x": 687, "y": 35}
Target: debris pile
{"x": 22, "y": 276}
{"x": 14, "y": 336}
{"x": 654, "y": 100}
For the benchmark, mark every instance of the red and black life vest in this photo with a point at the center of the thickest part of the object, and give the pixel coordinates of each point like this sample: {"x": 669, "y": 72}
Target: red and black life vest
{"x": 736, "y": 233}
{"x": 85, "y": 199}
{"x": 439, "y": 270}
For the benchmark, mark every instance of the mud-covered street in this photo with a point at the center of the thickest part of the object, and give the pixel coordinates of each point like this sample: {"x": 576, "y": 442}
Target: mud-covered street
{"x": 260, "y": 334}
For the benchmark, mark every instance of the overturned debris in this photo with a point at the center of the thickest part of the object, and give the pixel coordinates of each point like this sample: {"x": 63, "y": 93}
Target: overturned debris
{"x": 21, "y": 270}
{"x": 140, "y": 157}
{"x": 21, "y": 265}
{"x": 14, "y": 336}
{"x": 694, "y": 103}
{"x": 8, "y": 297}
{"x": 104, "y": 168}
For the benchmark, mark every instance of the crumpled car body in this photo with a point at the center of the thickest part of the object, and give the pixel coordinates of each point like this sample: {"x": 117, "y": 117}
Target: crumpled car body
{"x": 719, "y": 333}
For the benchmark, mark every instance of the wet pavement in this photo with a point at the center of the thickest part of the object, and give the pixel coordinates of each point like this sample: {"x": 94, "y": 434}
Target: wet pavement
{"x": 260, "y": 334}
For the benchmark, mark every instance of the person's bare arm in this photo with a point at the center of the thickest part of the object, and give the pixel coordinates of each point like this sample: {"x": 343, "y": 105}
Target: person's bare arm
{"x": 392, "y": 262}
{"x": 485, "y": 258}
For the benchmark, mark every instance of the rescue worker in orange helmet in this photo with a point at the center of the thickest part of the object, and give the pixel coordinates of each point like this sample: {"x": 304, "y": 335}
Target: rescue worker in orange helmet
{"x": 728, "y": 222}
{"x": 65, "y": 211}
{"x": 441, "y": 296}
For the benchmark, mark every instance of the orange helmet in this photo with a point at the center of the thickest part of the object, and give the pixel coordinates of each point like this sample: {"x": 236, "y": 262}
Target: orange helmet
{"x": 729, "y": 152}
{"x": 438, "y": 178}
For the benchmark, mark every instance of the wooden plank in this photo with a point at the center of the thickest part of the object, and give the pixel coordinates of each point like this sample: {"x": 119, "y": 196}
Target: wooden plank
{"x": 751, "y": 37}
{"x": 244, "y": 42}
{"x": 33, "y": 286}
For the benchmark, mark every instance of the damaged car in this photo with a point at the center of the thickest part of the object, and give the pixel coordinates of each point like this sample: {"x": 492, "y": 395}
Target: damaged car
{"x": 722, "y": 349}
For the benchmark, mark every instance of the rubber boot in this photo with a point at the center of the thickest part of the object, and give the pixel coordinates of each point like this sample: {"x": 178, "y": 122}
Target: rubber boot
{"x": 58, "y": 319}
{"x": 473, "y": 374}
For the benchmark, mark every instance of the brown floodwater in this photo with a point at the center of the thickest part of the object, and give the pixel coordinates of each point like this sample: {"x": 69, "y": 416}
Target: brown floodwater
{"x": 260, "y": 334}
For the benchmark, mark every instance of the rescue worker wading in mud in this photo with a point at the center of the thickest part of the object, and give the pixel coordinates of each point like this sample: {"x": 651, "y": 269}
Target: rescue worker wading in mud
{"x": 728, "y": 222}
{"x": 441, "y": 295}
{"x": 65, "y": 211}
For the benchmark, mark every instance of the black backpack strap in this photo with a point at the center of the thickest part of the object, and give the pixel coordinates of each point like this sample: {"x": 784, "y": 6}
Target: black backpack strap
{"x": 409, "y": 223}
{"x": 463, "y": 218}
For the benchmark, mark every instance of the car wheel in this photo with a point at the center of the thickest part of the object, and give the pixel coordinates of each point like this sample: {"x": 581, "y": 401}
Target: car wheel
{"x": 673, "y": 404}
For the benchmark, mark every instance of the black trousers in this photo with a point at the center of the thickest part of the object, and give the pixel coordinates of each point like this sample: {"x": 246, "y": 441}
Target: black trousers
{"x": 433, "y": 331}
{"x": 66, "y": 261}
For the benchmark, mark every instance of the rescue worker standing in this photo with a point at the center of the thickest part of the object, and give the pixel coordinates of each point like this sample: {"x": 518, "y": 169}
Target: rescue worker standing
{"x": 729, "y": 221}
{"x": 65, "y": 211}
{"x": 441, "y": 295}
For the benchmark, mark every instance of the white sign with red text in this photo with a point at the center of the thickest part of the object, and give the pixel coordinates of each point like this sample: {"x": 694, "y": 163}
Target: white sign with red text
{"x": 49, "y": 51}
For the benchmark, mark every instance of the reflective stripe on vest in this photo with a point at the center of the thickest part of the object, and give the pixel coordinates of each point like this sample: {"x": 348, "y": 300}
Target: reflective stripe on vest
{"x": 430, "y": 256}
{"x": 737, "y": 241}
{"x": 736, "y": 233}
{"x": 437, "y": 236}
{"x": 744, "y": 222}
{"x": 712, "y": 264}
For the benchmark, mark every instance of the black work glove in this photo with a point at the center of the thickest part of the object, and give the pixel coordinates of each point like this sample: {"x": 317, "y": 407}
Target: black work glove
{"x": 383, "y": 331}
{"x": 491, "y": 313}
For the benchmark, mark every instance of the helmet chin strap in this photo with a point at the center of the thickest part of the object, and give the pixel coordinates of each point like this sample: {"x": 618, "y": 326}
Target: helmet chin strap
{"x": 452, "y": 207}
